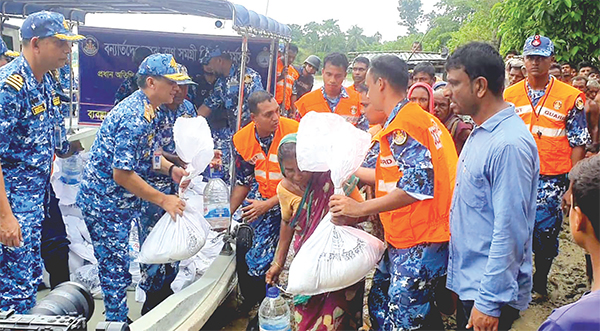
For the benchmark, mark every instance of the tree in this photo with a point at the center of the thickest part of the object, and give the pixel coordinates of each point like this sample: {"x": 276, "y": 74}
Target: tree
{"x": 571, "y": 24}
{"x": 355, "y": 38}
{"x": 411, "y": 14}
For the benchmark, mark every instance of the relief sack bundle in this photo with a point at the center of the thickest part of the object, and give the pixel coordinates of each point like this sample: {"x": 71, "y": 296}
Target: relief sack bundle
{"x": 334, "y": 257}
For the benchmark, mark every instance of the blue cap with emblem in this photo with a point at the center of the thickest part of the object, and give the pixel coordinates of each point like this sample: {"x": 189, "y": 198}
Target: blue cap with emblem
{"x": 47, "y": 24}
{"x": 538, "y": 45}
{"x": 7, "y": 52}
{"x": 162, "y": 65}
{"x": 209, "y": 54}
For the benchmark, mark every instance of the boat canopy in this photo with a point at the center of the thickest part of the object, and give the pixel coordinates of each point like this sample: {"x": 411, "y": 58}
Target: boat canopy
{"x": 243, "y": 19}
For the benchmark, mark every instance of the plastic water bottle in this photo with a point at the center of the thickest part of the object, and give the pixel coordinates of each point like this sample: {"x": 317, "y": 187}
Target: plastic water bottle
{"x": 71, "y": 170}
{"x": 216, "y": 202}
{"x": 274, "y": 312}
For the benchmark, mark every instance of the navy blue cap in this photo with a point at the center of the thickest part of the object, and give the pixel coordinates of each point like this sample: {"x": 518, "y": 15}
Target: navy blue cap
{"x": 538, "y": 45}
{"x": 162, "y": 65}
{"x": 47, "y": 24}
{"x": 210, "y": 53}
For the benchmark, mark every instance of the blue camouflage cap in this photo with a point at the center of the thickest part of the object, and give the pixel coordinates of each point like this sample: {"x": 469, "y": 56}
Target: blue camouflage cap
{"x": 47, "y": 24}
{"x": 538, "y": 45}
{"x": 209, "y": 54}
{"x": 7, "y": 52}
{"x": 162, "y": 65}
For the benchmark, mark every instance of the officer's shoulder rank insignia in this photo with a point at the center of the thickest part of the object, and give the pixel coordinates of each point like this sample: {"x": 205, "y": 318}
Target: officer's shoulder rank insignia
{"x": 148, "y": 112}
{"x": 579, "y": 103}
{"x": 400, "y": 137}
{"x": 247, "y": 79}
{"x": 15, "y": 81}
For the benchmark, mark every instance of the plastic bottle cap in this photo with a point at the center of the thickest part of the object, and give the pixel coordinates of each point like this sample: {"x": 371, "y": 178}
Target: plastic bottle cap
{"x": 272, "y": 292}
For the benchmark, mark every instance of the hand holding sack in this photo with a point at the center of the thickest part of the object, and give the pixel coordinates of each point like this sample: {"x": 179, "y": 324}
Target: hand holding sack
{"x": 333, "y": 257}
{"x": 175, "y": 240}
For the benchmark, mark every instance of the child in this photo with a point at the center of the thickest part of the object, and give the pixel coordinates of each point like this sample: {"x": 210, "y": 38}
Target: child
{"x": 584, "y": 220}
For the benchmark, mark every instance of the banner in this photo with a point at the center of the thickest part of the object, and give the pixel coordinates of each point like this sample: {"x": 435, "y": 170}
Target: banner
{"x": 105, "y": 60}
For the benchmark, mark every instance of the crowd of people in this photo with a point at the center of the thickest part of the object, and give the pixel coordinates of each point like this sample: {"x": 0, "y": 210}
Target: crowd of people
{"x": 467, "y": 180}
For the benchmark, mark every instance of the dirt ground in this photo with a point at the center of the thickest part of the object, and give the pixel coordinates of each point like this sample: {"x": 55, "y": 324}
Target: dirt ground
{"x": 567, "y": 283}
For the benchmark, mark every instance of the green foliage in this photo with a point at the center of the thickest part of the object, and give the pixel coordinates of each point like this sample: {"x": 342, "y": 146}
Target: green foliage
{"x": 411, "y": 14}
{"x": 573, "y": 26}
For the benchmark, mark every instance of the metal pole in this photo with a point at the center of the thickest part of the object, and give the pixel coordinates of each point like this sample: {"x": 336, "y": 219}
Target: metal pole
{"x": 285, "y": 67}
{"x": 271, "y": 58}
{"x": 240, "y": 103}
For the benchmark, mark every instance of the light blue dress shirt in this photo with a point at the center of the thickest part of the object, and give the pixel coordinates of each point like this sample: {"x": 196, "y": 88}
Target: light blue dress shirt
{"x": 492, "y": 215}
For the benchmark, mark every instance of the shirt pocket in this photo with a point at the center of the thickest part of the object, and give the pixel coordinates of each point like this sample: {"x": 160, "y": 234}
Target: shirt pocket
{"x": 473, "y": 189}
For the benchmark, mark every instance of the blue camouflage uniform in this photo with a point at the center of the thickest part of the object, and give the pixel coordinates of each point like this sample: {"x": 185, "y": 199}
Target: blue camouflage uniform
{"x": 402, "y": 294}
{"x": 157, "y": 277}
{"x": 31, "y": 132}
{"x": 266, "y": 227}
{"x": 224, "y": 97}
{"x": 125, "y": 141}
{"x": 551, "y": 188}
{"x": 127, "y": 87}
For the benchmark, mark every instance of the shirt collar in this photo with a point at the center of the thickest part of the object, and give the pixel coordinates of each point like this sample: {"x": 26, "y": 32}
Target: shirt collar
{"x": 343, "y": 93}
{"x": 395, "y": 112}
{"x": 491, "y": 123}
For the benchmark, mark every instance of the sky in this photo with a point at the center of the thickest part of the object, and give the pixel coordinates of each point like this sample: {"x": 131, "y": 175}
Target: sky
{"x": 371, "y": 15}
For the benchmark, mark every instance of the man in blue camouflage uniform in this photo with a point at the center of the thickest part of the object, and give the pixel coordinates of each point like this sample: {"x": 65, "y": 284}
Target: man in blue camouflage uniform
{"x": 130, "y": 85}
{"x": 115, "y": 178}
{"x": 31, "y": 132}
{"x": 157, "y": 278}
{"x": 538, "y": 52}
{"x": 224, "y": 97}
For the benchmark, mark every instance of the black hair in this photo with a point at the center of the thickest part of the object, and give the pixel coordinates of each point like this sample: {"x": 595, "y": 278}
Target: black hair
{"x": 579, "y": 77}
{"x": 425, "y": 67}
{"x": 585, "y": 181}
{"x": 584, "y": 64}
{"x": 555, "y": 66}
{"x": 140, "y": 54}
{"x": 141, "y": 80}
{"x": 293, "y": 48}
{"x": 336, "y": 59}
{"x": 286, "y": 151}
{"x": 479, "y": 59}
{"x": 256, "y": 98}
{"x": 362, "y": 88}
{"x": 570, "y": 64}
{"x": 362, "y": 59}
{"x": 391, "y": 68}
{"x": 513, "y": 52}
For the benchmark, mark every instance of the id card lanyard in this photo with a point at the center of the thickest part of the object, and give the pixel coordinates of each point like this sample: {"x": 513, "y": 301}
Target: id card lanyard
{"x": 538, "y": 110}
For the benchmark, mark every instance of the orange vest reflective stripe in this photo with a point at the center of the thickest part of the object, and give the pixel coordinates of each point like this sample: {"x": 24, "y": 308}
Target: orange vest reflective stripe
{"x": 548, "y": 123}
{"x": 289, "y": 80}
{"x": 266, "y": 167}
{"x": 424, "y": 221}
{"x": 349, "y": 108}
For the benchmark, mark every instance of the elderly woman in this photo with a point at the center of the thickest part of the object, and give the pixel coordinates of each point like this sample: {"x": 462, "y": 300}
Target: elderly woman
{"x": 422, "y": 94}
{"x": 304, "y": 199}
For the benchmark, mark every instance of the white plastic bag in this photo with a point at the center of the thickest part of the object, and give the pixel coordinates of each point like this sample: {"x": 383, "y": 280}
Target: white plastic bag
{"x": 193, "y": 143}
{"x": 333, "y": 258}
{"x": 175, "y": 241}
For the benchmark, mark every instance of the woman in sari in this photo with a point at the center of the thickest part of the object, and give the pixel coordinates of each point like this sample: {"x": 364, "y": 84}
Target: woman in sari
{"x": 304, "y": 200}
{"x": 422, "y": 94}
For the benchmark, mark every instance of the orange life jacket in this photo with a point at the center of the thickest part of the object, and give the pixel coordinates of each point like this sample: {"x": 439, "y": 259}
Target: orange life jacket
{"x": 266, "y": 167}
{"x": 348, "y": 108}
{"x": 548, "y": 123}
{"x": 289, "y": 80}
{"x": 424, "y": 221}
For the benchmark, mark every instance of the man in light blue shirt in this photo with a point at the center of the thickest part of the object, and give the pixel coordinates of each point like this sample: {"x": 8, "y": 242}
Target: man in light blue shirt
{"x": 493, "y": 208}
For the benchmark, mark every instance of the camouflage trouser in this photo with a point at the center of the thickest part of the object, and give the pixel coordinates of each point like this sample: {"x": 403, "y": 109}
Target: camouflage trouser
{"x": 548, "y": 215}
{"x": 109, "y": 230}
{"x": 155, "y": 277}
{"x": 21, "y": 267}
{"x": 402, "y": 295}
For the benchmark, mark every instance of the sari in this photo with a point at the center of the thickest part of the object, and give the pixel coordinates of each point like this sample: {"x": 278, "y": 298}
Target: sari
{"x": 339, "y": 310}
